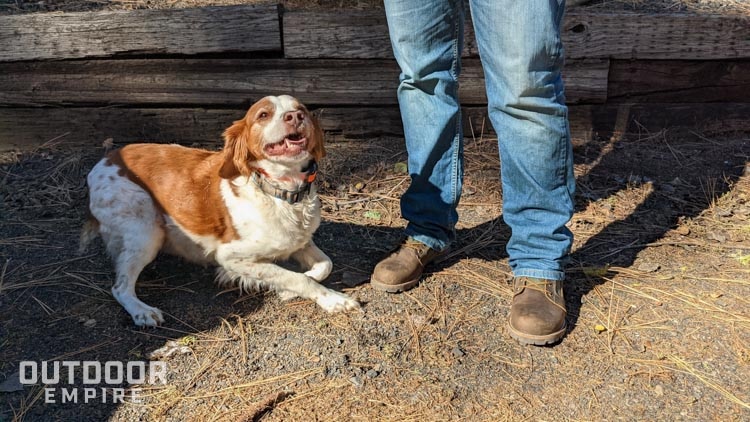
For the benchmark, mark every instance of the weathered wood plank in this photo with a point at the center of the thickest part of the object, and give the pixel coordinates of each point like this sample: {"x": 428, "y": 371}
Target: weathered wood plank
{"x": 238, "y": 82}
{"x": 586, "y": 121}
{"x": 175, "y": 31}
{"x": 678, "y": 81}
{"x": 364, "y": 34}
{"x": 355, "y": 34}
{"x": 656, "y": 36}
{"x": 28, "y": 128}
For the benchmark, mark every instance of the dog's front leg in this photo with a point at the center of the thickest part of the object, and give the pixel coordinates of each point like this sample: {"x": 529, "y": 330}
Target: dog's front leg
{"x": 317, "y": 265}
{"x": 251, "y": 273}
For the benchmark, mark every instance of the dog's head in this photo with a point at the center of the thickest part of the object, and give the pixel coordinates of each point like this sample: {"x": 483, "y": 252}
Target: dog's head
{"x": 279, "y": 129}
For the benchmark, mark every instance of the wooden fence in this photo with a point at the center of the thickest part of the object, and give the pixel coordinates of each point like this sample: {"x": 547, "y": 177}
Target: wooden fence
{"x": 184, "y": 75}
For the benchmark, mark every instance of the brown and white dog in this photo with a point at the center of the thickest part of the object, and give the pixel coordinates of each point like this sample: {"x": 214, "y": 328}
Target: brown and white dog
{"x": 243, "y": 208}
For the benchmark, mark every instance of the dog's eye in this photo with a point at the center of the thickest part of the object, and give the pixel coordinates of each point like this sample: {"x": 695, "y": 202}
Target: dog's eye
{"x": 263, "y": 115}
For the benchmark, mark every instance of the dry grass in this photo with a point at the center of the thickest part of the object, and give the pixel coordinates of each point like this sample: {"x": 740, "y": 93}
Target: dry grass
{"x": 659, "y": 309}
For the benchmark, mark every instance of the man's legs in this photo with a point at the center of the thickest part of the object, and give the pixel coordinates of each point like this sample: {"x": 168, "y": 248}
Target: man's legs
{"x": 522, "y": 56}
{"x": 427, "y": 38}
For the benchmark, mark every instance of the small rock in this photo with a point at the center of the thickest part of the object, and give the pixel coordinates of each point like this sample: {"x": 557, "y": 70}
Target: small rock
{"x": 457, "y": 352}
{"x": 717, "y": 236}
{"x": 357, "y": 381}
{"x": 89, "y": 323}
{"x": 723, "y": 212}
{"x": 666, "y": 187}
{"x": 419, "y": 320}
{"x": 372, "y": 373}
{"x": 635, "y": 179}
{"x": 12, "y": 383}
{"x": 659, "y": 391}
{"x": 170, "y": 348}
{"x": 683, "y": 230}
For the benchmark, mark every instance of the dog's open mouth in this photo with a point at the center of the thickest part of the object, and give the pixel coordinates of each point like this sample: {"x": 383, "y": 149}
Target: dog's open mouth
{"x": 293, "y": 144}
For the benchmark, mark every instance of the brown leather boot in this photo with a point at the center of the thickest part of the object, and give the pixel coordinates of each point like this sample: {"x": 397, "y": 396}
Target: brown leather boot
{"x": 537, "y": 312}
{"x": 401, "y": 270}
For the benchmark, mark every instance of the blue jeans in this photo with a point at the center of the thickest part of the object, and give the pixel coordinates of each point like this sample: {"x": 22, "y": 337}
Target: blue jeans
{"x": 522, "y": 56}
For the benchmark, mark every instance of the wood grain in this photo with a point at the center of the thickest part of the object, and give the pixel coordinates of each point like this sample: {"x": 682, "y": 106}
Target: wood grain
{"x": 364, "y": 34}
{"x": 240, "y": 82}
{"x": 679, "y": 81}
{"x": 656, "y": 36}
{"x": 42, "y": 36}
{"x": 28, "y": 128}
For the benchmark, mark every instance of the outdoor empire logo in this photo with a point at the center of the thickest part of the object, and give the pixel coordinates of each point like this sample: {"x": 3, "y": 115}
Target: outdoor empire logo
{"x": 102, "y": 381}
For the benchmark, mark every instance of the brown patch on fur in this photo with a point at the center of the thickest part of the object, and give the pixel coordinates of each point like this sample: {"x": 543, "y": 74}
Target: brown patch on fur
{"x": 183, "y": 182}
{"x": 239, "y": 150}
{"x": 316, "y": 139}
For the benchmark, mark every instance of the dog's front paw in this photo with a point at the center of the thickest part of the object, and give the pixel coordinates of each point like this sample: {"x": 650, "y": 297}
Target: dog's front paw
{"x": 147, "y": 316}
{"x": 333, "y": 301}
{"x": 320, "y": 271}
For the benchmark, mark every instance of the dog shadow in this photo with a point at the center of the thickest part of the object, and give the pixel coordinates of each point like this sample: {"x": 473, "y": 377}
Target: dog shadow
{"x": 193, "y": 304}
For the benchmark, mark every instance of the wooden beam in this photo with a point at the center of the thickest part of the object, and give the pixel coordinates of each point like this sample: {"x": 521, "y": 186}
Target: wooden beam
{"x": 240, "y": 82}
{"x": 364, "y": 34}
{"x": 344, "y": 34}
{"x": 39, "y": 36}
{"x": 679, "y": 81}
{"x": 28, "y": 128}
{"x": 656, "y": 36}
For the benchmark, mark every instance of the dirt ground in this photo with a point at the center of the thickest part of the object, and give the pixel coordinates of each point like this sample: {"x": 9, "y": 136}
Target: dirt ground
{"x": 657, "y": 295}
{"x": 657, "y": 291}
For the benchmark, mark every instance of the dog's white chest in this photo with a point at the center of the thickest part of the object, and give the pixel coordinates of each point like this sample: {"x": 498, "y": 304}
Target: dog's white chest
{"x": 269, "y": 227}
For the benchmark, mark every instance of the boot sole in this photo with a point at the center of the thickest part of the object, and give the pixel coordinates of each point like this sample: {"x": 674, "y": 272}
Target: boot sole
{"x": 393, "y": 288}
{"x": 532, "y": 340}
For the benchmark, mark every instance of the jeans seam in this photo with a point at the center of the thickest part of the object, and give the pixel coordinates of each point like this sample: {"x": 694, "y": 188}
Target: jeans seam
{"x": 456, "y": 140}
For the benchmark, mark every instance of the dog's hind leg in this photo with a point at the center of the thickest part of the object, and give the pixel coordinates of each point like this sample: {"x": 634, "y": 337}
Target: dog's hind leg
{"x": 128, "y": 222}
{"x": 135, "y": 253}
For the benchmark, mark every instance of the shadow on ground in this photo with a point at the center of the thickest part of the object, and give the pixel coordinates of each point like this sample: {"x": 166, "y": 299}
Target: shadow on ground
{"x": 55, "y": 305}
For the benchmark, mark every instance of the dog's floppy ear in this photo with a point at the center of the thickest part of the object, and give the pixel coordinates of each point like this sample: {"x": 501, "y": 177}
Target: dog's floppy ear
{"x": 237, "y": 151}
{"x": 318, "y": 150}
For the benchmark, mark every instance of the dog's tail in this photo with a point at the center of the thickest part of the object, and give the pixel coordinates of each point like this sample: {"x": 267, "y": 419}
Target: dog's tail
{"x": 89, "y": 231}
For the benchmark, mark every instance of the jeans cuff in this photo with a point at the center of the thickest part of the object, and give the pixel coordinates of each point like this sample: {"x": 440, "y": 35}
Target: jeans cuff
{"x": 433, "y": 243}
{"x": 544, "y": 274}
